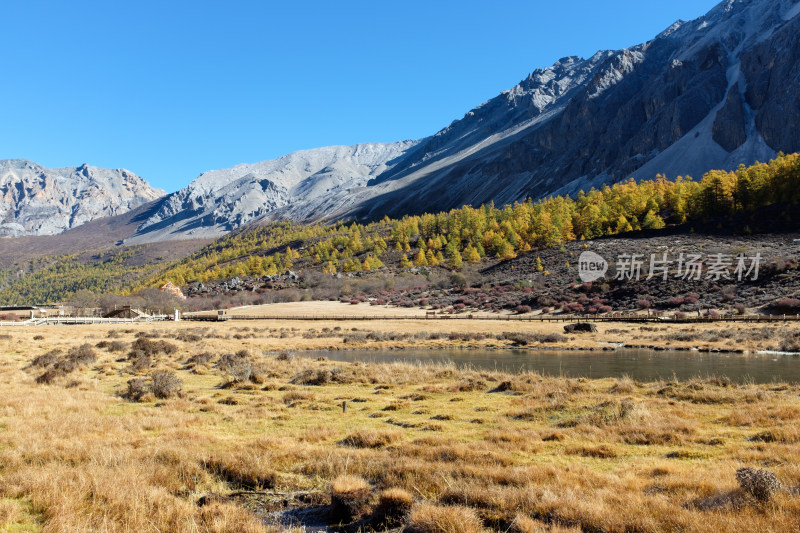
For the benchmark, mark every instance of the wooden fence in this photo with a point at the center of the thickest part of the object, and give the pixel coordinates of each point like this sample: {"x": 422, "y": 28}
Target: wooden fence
{"x": 64, "y": 320}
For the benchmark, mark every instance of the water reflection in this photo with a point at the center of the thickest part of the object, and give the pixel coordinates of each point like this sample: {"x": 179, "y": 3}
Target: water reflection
{"x": 639, "y": 364}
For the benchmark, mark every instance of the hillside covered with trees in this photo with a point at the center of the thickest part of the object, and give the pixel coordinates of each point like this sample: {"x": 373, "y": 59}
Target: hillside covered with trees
{"x": 450, "y": 240}
{"x": 473, "y": 234}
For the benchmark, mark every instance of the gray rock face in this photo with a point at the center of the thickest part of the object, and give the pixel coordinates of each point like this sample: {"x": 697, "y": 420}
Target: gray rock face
{"x": 713, "y": 93}
{"x": 772, "y": 71}
{"x": 294, "y": 186}
{"x": 729, "y": 126}
{"x": 42, "y": 201}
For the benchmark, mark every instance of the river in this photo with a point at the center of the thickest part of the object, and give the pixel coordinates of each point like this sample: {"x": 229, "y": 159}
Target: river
{"x": 638, "y": 364}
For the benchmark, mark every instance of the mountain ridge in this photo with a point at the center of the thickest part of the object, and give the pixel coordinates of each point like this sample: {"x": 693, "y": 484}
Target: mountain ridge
{"x": 711, "y": 93}
{"x": 41, "y": 201}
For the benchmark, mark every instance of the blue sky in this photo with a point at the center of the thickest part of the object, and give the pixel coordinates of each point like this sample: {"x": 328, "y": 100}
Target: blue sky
{"x": 170, "y": 89}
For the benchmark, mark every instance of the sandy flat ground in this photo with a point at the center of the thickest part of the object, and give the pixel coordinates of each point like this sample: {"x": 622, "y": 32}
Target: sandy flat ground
{"x": 286, "y": 334}
{"x": 330, "y": 310}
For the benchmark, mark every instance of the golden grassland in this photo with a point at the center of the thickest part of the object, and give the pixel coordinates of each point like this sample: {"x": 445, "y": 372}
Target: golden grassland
{"x": 423, "y": 448}
{"x": 721, "y": 336}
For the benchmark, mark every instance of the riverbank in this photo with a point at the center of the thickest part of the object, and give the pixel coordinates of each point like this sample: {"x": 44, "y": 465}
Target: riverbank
{"x": 263, "y": 440}
{"x": 281, "y": 334}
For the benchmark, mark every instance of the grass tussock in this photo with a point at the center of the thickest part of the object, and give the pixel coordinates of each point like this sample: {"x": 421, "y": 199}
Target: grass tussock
{"x": 366, "y": 438}
{"x": 393, "y": 506}
{"x": 430, "y": 518}
{"x": 350, "y": 497}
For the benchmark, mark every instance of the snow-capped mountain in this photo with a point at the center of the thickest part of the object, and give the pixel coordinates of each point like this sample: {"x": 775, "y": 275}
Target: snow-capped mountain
{"x": 715, "y": 92}
{"x": 41, "y": 201}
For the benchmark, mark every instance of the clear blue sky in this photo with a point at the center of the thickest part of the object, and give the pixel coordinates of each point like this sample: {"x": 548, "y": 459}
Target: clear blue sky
{"x": 170, "y": 89}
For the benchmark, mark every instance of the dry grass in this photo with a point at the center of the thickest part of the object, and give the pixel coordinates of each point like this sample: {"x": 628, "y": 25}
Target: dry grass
{"x": 428, "y": 518}
{"x": 9, "y": 511}
{"x": 350, "y": 496}
{"x": 367, "y": 438}
{"x": 393, "y": 506}
{"x": 550, "y": 454}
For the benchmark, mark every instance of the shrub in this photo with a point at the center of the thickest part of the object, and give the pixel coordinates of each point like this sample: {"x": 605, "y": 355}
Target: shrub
{"x": 580, "y": 327}
{"x": 48, "y": 359}
{"x": 522, "y": 309}
{"x": 116, "y": 346}
{"x": 188, "y": 337}
{"x": 237, "y": 366}
{"x": 320, "y": 376}
{"x": 458, "y": 280}
{"x": 573, "y": 307}
{"x": 137, "y": 388}
{"x": 82, "y": 355}
{"x": 141, "y": 362}
{"x": 165, "y": 384}
{"x": 200, "y": 358}
{"x": 518, "y": 339}
{"x": 349, "y": 498}
{"x": 677, "y": 301}
{"x": 551, "y": 337}
{"x": 66, "y": 365}
{"x": 151, "y": 347}
{"x": 760, "y": 484}
{"x": 430, "y": 518}
{"x": 50, "y": 376}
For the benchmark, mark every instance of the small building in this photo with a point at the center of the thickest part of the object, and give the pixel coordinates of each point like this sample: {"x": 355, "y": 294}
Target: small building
{"x": 173, "y": 289}
{"x": 124, "y": 312}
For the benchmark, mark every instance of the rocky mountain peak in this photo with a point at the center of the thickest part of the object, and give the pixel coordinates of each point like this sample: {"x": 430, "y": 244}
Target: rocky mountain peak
{"x": 42, "y": 201}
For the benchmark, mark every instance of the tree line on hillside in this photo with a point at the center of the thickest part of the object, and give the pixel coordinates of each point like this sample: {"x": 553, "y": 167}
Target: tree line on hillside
{"x": 57, "y": 278}
{"x": 449, "y": 239}
{"x": 470, "y": 234}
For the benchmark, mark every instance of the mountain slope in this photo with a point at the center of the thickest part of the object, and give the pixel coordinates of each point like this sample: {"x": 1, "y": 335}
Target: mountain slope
{"x": 713, "y": 93}
{"x": 41, "y": 201}
{"x": 221, "y": 200}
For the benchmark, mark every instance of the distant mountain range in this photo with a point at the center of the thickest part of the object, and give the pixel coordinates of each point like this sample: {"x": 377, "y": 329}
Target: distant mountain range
{"x": 715, "y": 92}
{"x": 42, "y": 201}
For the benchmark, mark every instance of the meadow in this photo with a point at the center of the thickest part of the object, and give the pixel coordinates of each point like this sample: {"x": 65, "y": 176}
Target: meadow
{"x": 227, "y": 427}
